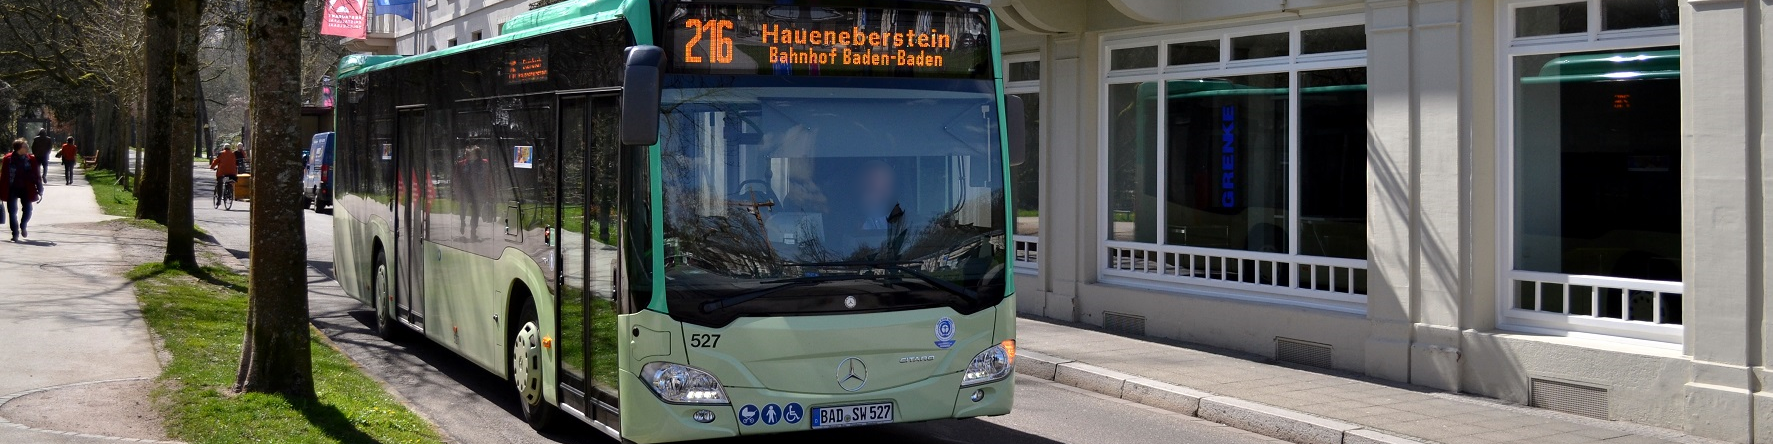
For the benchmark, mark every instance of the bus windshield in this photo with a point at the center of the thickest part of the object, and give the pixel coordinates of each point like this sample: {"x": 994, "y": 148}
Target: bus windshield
{"x": 787, "y": 195}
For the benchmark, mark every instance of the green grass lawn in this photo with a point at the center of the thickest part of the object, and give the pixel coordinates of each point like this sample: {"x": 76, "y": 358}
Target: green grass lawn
{"x": 200, "y": 314}
{"x": 112, "y": 198}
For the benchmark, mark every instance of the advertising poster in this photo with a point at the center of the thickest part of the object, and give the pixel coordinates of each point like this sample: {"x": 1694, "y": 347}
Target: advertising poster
{"x": 523, "y": 156}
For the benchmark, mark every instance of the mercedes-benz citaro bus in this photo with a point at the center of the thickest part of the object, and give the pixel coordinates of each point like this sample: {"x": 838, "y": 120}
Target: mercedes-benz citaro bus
{"x": 678, "y": 220}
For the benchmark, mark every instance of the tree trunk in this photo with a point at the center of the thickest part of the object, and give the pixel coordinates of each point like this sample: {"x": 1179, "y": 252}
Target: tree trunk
{"x": 179, "y": 228}
{"x": 277, "y": 322}
{"x": 115, "y": 153}
{"x": 161, "y": 29}
{"x": 205, "y": 135}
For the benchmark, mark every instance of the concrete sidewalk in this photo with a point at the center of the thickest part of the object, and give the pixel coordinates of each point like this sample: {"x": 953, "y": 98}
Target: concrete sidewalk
{"x": 1295, "y": 404}
{"x": 67, "y": 314}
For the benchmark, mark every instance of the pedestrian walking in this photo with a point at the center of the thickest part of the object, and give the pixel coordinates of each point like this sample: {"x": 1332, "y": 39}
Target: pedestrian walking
{"x": 69, "y": 154}
{"x": 40, "y": 149}
{"x": 225, "y": 167}
{"x": 20, "y": 186}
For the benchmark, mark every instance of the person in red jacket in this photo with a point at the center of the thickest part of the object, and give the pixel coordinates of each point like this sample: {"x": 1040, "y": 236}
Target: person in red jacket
{"x": 225, "y": 167}
{"x": 20, "y": 186}
{"x": 69, "y": 154}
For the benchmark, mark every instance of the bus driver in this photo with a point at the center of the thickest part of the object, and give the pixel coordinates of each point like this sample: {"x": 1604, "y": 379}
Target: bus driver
{"x": 877, "y": 197}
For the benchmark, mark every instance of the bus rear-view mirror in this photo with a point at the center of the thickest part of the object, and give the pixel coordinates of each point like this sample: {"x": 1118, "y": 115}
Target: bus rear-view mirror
{"x": 640, "y": 95}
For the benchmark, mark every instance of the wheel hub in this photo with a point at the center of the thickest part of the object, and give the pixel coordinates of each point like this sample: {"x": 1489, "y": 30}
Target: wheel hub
{"x": 526, "y": 364}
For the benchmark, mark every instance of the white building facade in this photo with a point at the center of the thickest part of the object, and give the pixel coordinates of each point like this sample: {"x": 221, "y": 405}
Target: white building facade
{"x": 1552, "y": 202}
{"x": 437, "y": 24}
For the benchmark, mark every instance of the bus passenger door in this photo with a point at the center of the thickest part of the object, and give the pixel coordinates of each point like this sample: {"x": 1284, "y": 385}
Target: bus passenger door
{"x": 415, "y": 180}
{"x": 588, "y": 257}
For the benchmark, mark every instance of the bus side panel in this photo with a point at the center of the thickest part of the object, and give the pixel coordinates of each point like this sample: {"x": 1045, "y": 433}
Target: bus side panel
{"x": 467, "y": 298}
{"x": 348, "y": 263}
{"x": 355, "y": 238}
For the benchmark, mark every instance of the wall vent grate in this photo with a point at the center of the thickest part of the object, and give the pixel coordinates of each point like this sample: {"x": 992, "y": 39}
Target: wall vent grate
{"x": 1570, "y": 398}
{"x": 1123, "y": 323}
{"x": 1301, "y": 352}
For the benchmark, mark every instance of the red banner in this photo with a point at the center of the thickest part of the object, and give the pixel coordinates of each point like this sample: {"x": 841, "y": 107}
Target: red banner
{"x": 343, "y": 18}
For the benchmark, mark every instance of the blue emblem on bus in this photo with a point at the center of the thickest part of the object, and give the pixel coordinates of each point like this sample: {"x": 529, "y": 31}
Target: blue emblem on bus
{"x": 772, "y": 414}
{"x": 944, "y": 333}
{"x": 792, "y": 413}
{"x": 748, "y": 414}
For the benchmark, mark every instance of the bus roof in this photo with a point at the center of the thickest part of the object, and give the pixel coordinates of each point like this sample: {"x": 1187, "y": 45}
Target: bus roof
{"x": 564, "y": 15}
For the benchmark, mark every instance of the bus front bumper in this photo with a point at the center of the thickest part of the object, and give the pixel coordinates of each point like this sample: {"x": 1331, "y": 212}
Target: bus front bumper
{"x": 646, "y": 419}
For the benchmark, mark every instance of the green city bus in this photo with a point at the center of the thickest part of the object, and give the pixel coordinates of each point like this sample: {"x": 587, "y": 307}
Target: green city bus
{"x": 679, "y": 220}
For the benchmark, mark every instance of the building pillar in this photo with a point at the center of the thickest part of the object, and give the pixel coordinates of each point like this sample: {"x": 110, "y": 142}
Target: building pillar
{"x": 1391, "y": 177}
{"x": 1763, "y": 398}
{"x": 1443, "y": 184}
{"x": 1718, "y": 209}
{"x": 1071, "y": 152}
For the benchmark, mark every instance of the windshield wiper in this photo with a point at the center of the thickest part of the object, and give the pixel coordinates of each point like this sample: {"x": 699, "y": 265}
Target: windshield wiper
{"x": 944, "y": 284}
{"x": 711, "y": 306}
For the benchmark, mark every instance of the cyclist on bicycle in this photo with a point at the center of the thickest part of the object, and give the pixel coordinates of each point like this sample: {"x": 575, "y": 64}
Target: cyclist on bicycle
{"x": 225, "y": 169}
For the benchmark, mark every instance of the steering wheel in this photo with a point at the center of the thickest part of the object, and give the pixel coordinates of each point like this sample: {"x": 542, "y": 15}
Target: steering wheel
{"x": 760, "y": 194}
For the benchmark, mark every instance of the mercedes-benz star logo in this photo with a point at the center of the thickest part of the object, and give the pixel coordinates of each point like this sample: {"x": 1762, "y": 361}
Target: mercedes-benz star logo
{"x": 849, "y": 302}
{"x": 852, "y": 374}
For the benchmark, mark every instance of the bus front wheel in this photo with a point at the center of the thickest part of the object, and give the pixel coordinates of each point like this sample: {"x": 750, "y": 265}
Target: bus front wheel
{"x": 526, "y": 370}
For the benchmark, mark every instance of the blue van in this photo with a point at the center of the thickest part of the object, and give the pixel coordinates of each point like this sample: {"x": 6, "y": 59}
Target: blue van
{"x": 317, "y": 175}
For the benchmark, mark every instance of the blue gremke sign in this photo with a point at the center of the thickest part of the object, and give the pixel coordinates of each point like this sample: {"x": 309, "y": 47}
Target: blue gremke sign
{"x": 1228, "y": 157}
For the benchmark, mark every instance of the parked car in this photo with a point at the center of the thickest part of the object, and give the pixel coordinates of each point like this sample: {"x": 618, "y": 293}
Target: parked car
{"x": 317, "y": 175}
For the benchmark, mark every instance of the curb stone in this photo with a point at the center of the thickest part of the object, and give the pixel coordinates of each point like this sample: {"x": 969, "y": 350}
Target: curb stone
{"x": 1092, "y": 378}
{"x": 1273, "y": 421}
{"x": 1043, "y": 366}
{"x": 1267, "y": 420}
{"x": 4, "y": 399}
{"x": 1364, "y": 436}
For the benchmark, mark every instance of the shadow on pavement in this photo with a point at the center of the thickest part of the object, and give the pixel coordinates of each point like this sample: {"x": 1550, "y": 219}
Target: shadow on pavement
{"x": 483, "y": 383}
{"x": 325, "y": 269}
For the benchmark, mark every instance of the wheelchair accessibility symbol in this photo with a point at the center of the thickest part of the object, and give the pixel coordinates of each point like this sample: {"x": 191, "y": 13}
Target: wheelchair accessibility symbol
{"x": 792, "y": 413}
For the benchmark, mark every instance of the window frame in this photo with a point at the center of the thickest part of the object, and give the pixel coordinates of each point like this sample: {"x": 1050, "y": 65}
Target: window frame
{"x": 1293, "y": 291}
{"x": 1025, "y": 251}
{"x": 1509, "y": 48}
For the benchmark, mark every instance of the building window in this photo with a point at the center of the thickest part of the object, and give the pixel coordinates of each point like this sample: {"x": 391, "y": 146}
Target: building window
{"x": 1022, "y": 79}
{"x": 474, "y": 36}
{"x": 1594, "y": 169}
{"x": 1242, "y": 164}
{"x": 452, "y": 43}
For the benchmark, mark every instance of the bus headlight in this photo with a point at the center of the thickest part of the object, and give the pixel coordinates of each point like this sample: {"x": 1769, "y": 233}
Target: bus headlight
{"x": 683, "y": 384}
{"x": 992, "y": 364}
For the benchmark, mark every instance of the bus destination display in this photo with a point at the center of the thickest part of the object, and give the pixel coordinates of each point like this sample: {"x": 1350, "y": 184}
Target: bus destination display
{"x": 800, "y": 40}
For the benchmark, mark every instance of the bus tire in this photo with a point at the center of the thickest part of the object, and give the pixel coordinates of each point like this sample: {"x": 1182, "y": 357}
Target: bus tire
{"x": 382, "y": 291}
{"x": 526, "y": 370}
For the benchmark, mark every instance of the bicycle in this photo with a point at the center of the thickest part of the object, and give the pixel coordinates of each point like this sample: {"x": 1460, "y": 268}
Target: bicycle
{"x": 224, "y": 194}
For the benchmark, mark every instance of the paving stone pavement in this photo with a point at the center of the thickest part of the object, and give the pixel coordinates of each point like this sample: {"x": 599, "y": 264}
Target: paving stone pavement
{"x": 1252, "y": 393}
{"x": 67, "y": 314}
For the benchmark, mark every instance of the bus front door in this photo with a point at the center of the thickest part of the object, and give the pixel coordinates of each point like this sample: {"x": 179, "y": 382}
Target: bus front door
{"x": 587, "y": 247}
